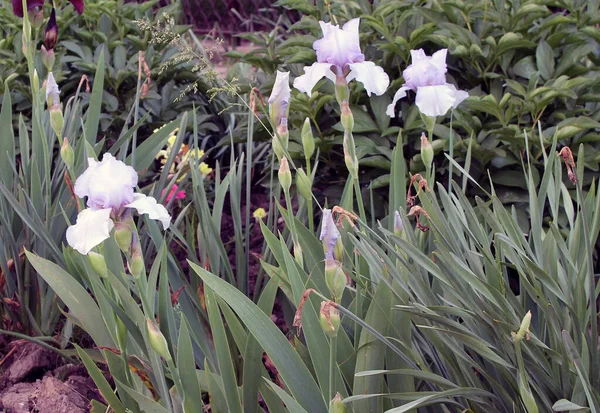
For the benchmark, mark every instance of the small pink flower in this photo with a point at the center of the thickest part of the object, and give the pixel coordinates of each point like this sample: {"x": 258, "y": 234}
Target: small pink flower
{"x": 174, "y": 193}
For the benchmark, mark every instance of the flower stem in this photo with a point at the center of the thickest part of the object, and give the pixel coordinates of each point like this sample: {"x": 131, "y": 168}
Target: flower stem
{"x": 311, "y": 220}
{"x": 332, "y": 366}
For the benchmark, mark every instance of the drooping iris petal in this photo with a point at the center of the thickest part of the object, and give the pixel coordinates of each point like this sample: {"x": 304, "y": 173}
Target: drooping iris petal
{"x": 280, "y": 98}
{"x": 459, "y": 94}
{"x": 312, "y": 74}
{"x": 148, "y": 205}
{"x": 339, "y": 47}
{"x": 399, "y": 95}
{"x": 78, "y": 4}
{"x": 371, "y": 76}
{"x": 31, "y": 4}
{"x": 329, "y": 233}
{"x": 92, "y": 227}
{"x": 107, "y": 184}
{"x": 435, "y": 100}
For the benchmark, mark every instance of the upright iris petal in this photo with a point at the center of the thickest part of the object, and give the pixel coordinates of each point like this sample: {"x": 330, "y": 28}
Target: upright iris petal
{"x": 339, "y": 55}
{"x": 427, "y": 76}
{"x": 108, "y": 186}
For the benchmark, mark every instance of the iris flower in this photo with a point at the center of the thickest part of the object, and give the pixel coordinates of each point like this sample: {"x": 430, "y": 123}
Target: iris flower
{"x": 427, "y": 76}
{"x": 32, "y": 4}
{"x": 339, "y": 55}
{"x": 108, "y": 186}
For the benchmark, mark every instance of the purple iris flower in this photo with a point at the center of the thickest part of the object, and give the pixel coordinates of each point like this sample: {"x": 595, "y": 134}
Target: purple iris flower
{"x": 427, "y": 76}
{"x": 339, "y": 55}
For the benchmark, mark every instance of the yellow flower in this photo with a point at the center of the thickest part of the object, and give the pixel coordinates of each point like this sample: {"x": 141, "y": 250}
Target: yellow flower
{"x": 205, "y": 170}
{"x": 259, "y": 213}
{"x": 171, "y": 141}
{"x": 162, "y": 154}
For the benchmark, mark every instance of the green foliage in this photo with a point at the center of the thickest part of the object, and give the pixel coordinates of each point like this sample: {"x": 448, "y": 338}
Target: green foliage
{"x": 522, "y": 63}
{"x": 111, "y": 26}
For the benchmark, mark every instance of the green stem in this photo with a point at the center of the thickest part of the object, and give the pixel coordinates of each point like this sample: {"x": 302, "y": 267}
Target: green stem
{"x": 311, "y": 219}
{"x": 332, "y": 366}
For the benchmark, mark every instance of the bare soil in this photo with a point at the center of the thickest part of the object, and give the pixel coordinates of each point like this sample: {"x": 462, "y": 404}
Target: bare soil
{"x": 33, "y": 379}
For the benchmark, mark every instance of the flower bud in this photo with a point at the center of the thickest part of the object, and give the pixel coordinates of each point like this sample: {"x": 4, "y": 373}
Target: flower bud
{"x": 524, "y": 329}
{"x": 337, "y": 405}
{"x": 36, "y": 17}
{"x": 347, "y": 117}
{"x": 398, "y": 225}
{"x": 259, "y": 214}
{"x": 329, "y": 319}
{"x": 52, "y": 91}
{"x": 123, "y": 235}
{"x": 56, "y": 119}
{"x": 48, "y": 58}
{"x": 98, "y": 264}
{"x": 36, "y": 82}
{"x": 341, "y": 89}
{"x": 304, "y": 185}
{"x": 157, "y": 340}
{"x": 279, "y": 101}
{"x": 308, "y": 140}
{"x": 51, "y": 33}
{"x": 426, "y": 152}
{"x": 137, "y": 267}
{"x": 329, "y": 235}
{"x": 285, "y": 175}
{"x": 335, "y": 279}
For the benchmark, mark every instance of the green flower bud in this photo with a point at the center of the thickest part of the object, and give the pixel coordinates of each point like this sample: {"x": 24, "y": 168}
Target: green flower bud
{"x": 524, "y": 329}
{"x": 347, "y": 117}
{"x": 157, "y": 340}
{"x": 335, "y": 279}
{"x": 36, "y": 82}
{"x": 337, "y": 405}
{"x": 304, "y": 185}
{"x": 66, "y": 153}
{"x": 342, "y": 93}
{"x": 329, "y": 319}
{"x": 56, "y": 119}
{"x": 48, "y": 58}
{"x": 98, "y": 264}
{"x": 426, "y": 152}
{"x": 123, "y": 235}
{"x": 308, "y": 140}
{"x": 137, "y": 267}
{"x": 284, "y": 174}
{"x": 398, "y": 225}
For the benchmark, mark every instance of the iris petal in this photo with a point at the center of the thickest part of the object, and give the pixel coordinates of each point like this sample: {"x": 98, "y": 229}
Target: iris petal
{"x": 92, "y": 227}
{"x": 371, "y": 76}
{"x": 435, "y": 100}
{"x": 312, "y": 74}
{"x": 148, "y": 205}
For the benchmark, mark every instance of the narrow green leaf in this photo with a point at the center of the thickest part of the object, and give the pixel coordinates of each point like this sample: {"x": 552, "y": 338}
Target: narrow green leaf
{"x": 293, "y": 371}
